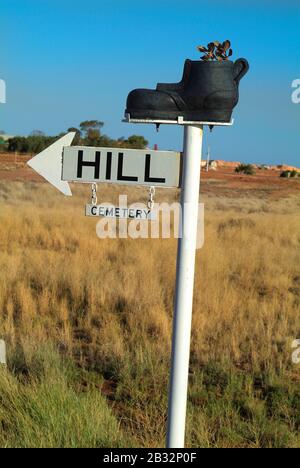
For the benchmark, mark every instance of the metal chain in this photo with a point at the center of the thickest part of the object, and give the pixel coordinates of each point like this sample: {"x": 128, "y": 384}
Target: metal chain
{"x": 150, "y": 203}
{"x": 94, "y": 194}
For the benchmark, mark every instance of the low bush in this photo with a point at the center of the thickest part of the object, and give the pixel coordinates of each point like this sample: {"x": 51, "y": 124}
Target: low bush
{"x": 247, "y": 169}
{"x": 290, "y": 174}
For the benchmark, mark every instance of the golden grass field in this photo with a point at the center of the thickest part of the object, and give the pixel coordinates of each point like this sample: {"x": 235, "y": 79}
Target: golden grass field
{"x": 87, "y": 322}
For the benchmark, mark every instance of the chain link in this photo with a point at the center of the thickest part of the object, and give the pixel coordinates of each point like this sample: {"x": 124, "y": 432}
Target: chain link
{"x": 94, "y": 194}
{"x": 150, "y": 203}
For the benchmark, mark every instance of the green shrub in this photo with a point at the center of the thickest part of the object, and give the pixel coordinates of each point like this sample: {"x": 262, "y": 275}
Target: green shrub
{"x": 288, "y": 174}
{"x": 285, "y": 174}
{"x": 247, "y": 169}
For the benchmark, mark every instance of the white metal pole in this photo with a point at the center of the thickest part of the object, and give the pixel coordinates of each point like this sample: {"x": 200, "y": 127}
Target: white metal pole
{"x": 182, "y": 321}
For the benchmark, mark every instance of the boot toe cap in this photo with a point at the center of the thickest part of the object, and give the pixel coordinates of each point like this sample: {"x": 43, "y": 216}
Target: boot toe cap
{"x": 150, "y": 99}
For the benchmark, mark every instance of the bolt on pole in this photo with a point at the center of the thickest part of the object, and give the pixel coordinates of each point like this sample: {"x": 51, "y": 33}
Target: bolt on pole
{"x": 182, "y": 321}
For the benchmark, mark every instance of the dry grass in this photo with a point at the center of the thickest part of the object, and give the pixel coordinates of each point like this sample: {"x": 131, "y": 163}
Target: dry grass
{"x": 107, "y": 304}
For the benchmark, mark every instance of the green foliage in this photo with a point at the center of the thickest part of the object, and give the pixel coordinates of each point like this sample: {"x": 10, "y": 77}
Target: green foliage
{"x": 56, "y": 405}
{"x": 247, "y": 169}
{"x": 135, "y": 141}
{"x": 228, "y": 408}
{"x": 88, "y": 134}
{"x": 290, "y": 174}
{"x": 48, "y": 401}
{"x": 90, "y": 125}
{"x": 285, "y": 174}
{"x": 31, "y": 144}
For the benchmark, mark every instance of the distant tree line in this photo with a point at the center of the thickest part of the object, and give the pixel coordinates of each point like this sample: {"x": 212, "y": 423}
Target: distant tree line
{"x": 88, "y": 134}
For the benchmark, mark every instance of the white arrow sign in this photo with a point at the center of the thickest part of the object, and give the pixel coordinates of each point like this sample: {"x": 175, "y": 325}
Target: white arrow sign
{"x": 61, "y": 163}
{"x": 121, "y": 166}
{"x": 48, "y": 163}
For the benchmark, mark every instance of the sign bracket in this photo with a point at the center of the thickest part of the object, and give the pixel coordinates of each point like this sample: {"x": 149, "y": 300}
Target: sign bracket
{"x": 180, "y": 121}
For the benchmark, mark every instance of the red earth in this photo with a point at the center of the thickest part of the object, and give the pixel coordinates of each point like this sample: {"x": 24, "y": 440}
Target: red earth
{"x": 221, "y": 182}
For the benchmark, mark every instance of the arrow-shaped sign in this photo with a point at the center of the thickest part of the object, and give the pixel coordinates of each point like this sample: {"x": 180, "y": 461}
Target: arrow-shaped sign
{"x": 48, "y": 163}
{"x": 60, "y": 164}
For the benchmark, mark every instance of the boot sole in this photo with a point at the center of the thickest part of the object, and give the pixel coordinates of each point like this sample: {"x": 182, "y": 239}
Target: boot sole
{"x": 191, "y": 116}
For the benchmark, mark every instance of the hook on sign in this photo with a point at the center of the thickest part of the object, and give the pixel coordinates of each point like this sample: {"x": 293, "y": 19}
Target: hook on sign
{"x": 94, "y": 194}
{"x": 150, "y": 203}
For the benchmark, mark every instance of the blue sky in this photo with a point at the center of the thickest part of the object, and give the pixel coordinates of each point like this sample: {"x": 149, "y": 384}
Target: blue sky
{"x": 67, "y": 61}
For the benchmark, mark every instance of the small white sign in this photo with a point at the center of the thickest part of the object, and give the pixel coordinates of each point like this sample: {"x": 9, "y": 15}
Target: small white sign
{"x": 119, "y": 212}
{"x": 121, "y": 166}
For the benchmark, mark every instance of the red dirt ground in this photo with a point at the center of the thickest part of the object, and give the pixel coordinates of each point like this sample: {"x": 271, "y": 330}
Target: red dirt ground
{"x": 223, "y": 181}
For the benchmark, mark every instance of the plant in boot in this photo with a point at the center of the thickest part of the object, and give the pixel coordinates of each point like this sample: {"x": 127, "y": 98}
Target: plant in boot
{"x": 209, "y": 51}
{"x": 216, "y": 51}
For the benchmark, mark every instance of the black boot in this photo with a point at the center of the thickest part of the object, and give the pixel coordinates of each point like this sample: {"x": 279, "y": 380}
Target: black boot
{"x": 176, "y": 86}
{"x": 208, "y": 92}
